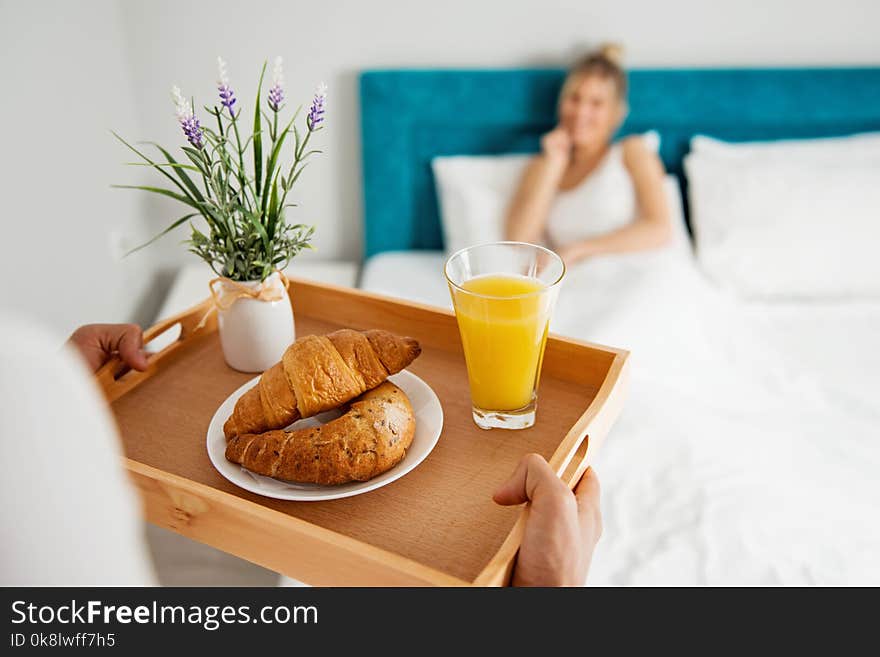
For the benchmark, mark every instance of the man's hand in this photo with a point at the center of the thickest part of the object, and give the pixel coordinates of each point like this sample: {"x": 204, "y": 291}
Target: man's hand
{"x": 562, "y": 527}
{"x": 99, "y": 342}
{"x": 556, "y": 145}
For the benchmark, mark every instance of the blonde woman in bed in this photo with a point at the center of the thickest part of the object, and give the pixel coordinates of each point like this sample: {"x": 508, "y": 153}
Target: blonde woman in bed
{"x": 585, "y": 194}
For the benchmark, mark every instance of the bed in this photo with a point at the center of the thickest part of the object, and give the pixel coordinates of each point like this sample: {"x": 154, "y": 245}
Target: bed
{"x": 748, "y": 451}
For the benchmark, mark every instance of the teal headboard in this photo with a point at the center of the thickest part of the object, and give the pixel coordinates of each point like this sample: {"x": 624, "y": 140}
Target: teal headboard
{"x": 410, "y": 116}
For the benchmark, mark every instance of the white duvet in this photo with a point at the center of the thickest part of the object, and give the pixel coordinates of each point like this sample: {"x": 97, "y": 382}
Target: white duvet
{"x": 748, "y": 451}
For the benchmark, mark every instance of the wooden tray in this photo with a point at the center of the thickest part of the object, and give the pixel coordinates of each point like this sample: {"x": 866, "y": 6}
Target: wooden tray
{"x": 436, "y": 526}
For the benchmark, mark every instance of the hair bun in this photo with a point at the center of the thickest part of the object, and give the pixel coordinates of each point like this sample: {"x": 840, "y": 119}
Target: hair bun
{"x": 613, "y": 52}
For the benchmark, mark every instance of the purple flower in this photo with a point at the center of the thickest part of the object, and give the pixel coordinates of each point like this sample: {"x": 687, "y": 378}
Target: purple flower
{"x": 276, "y": 97}
{"x": 188, "y": 121}
{"x": 193, "y": 131}
{"x": 227, "y": 95}
{"x": 276, "y": 93}
{"x": 316, "y": 111}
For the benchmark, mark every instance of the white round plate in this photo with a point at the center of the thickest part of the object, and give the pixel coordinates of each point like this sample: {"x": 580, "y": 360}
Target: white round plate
{"x": 429, "y": 422}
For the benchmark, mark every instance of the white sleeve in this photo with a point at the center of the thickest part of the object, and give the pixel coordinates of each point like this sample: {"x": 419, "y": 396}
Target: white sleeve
{"x": 652, "y": 140}
{"x": 69, "y": 516}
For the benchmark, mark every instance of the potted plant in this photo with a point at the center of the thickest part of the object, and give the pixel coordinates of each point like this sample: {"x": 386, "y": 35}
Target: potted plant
{"x": 238, "y": 183}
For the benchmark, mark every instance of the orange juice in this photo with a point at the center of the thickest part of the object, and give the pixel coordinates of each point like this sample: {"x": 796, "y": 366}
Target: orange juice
{"x": 503, "y": 325}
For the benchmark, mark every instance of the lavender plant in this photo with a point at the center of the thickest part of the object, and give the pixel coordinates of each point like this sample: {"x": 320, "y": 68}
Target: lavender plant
{"x": 248, "y": 234}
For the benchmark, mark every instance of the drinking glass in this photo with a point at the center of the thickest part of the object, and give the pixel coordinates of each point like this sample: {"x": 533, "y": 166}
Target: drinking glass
{"x": 503, "y": 294}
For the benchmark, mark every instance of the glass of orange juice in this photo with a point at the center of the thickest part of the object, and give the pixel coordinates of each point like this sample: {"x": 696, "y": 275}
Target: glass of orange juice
{"x": 503, "y": 294}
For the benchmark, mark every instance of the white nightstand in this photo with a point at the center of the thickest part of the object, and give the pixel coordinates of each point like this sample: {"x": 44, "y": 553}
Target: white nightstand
{"x": 191, "y": 283}
{"x": 190, "y": 286}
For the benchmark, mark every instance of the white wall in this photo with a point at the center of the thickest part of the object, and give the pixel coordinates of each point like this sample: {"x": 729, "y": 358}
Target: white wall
{"x": 144, "y": 47}
{"x": 63, "y": 83}
{"x": 333, "y": 40}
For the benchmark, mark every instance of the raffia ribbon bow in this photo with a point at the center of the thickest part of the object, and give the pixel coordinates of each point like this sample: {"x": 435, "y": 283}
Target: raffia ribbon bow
{"x": 231, "y": 291}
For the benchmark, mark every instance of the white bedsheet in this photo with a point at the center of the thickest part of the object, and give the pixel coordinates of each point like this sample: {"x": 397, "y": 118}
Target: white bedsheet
{"x": 749, "y": 448}
{"x": 412, "y": 275}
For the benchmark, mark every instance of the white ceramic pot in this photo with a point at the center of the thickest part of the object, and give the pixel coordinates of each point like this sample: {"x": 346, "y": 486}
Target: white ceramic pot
{"x": 254, "y": 333}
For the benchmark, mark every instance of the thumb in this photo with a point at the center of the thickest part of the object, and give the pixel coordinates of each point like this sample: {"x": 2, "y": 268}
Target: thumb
{"x": 588, "y": 509}
{"x": 532, "y": 476}
{"x": 130, "y": 347}
{"x": 588, "y": 493}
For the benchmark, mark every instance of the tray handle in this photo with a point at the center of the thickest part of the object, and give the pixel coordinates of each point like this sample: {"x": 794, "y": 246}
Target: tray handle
{"x": 573, "y": 457}
{"x": 569, "y": 462}
{"x": 115, "y": 378}
{"x": 572, "y": 471}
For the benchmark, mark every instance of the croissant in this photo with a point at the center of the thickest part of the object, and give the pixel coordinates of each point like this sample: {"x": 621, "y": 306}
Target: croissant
{"x": 318, "y": 373}
{"x": 370, "y": 438}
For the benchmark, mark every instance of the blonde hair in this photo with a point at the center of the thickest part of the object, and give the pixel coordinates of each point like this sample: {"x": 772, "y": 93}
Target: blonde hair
{"x": 606, "y": 62}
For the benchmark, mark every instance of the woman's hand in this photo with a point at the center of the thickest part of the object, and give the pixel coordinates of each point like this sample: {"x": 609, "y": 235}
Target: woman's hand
{"x": 99, "y": 342}
{"x": 562, "y": 528}
{"x": 574, "y": 253}
{"x": 556, "y": 145}
{"x": 537, "y": 188}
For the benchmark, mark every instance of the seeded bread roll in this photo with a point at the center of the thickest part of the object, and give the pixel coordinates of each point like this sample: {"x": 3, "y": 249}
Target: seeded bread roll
{"x": 369, "y": 439}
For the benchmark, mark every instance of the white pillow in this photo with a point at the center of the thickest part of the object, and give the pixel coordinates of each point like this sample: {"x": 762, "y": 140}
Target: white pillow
{"x": 474, "y": 193}
{"x": 786, "y": 228}
{"x": 861, "y": 146}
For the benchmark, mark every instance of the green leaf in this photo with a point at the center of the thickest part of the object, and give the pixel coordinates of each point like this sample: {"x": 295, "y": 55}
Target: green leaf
{"x": 273, "y": 159}
{"x": 302, "y": 146}
{"x": 164, "y": 232}
{"x": 188, "y": 167}
{"x": 187, "y": 181}
{"x": 208, "y": 211}
{"x": 296, "y": 175}
{"x": 216, "y": 113}
{"x": 254, "y": 218}
{"x": 247, "y": 142}
{"x": 195, "y": 154}
{"x": 258, "y": 139}
{"x": 196, "y": 158}
{"x": 154, "y": 164}
{"x": 267, "y": 119}
{"x": 164, "y": 192}
{"x": 273, "y": 209}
